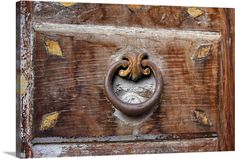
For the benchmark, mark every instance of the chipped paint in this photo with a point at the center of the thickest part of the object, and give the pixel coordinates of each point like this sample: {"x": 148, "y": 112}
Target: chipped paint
{"x": 23, "y": 84}
{"x": 67, "y": 4}
{"x": 121, "y": 138}
{"x": 25, "y": 79}
{"x": 49, "y": 120}
{"x": 195, "y": 12}
{"x": 202, "y": 118}
{"x": 202, "y": 53}
{"x": 120, "y": 148}
{"x": 53, "y": 47}
{"x": 128, "y": 120}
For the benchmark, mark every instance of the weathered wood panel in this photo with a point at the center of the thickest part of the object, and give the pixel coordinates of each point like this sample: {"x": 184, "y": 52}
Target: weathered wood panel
{"x": 60, "y": 150}
{"x": 24, "y": 79}
{"x": 129, "y": 15}
{"x": 70, "y": 61}
{"x": 71, "y": 83}
{"x": 226, "y": 109}
{"x": 231, "y": 15}
{"x": 232, "y": 35}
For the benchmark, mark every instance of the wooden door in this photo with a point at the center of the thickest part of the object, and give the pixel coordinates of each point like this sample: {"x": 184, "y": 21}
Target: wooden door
{"x": 65, "y": 51}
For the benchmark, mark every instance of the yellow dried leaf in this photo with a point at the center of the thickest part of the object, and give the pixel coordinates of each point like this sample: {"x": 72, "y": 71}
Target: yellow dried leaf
{"x": 202, "y": 53}
{"x": 67, "y": 4}
{"x": 202, "y": 118}
{"x": 195, "y": 12}
{"x": 49, "y": 120}
{"x": 134, "y": 7}
{"x": 53, "y": 47}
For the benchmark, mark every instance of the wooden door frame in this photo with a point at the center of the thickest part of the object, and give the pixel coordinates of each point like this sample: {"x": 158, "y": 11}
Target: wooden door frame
{"x": 226, "y": 105}
{"x": 24, "y": 79}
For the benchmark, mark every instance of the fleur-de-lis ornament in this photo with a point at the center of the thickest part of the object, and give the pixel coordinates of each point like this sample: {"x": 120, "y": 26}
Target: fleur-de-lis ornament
{"x": 134, "y": 69}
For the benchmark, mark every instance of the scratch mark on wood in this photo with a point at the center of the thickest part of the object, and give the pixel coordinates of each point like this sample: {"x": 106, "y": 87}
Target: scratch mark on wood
{"x": 53, "y": 47}
{"x": 49, "y": 120}
{"x": 195, "y": 12}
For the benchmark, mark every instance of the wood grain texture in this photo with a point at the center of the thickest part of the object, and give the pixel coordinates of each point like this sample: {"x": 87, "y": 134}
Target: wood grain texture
{"x": 226, "y": 109}
{"x": 24, "y": 79}
{"x": 73, "y": 84}
{"x": 118, "y": 148}
{"x": 126, "y": 15}
{"x": 231, "y": 13}
{"x": 60, "y": 94}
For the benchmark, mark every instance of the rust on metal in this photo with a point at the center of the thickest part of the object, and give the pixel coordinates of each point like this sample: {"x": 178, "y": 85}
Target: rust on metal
{"x": 134, "y": 67}
{"x": 53, "y": 47}
{"x": 195, "y": 12}
{"x": 49, "y": 120}
{"x": 202, "y": 117}
{"x": 202, "y": 53}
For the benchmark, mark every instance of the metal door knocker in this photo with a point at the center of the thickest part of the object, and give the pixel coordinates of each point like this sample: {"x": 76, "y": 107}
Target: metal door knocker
{"x": 133, "y": 66}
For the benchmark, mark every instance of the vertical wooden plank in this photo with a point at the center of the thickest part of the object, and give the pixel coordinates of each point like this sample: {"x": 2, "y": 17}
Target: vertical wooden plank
{"x": 24, "y": 79}
{"x": 18, "y": 139}
{"x": 232, "y": 34}
{"x": 226, "y": 107}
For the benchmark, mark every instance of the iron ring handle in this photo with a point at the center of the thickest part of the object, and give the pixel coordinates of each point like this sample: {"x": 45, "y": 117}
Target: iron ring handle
{"x": 131, "y": 109}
